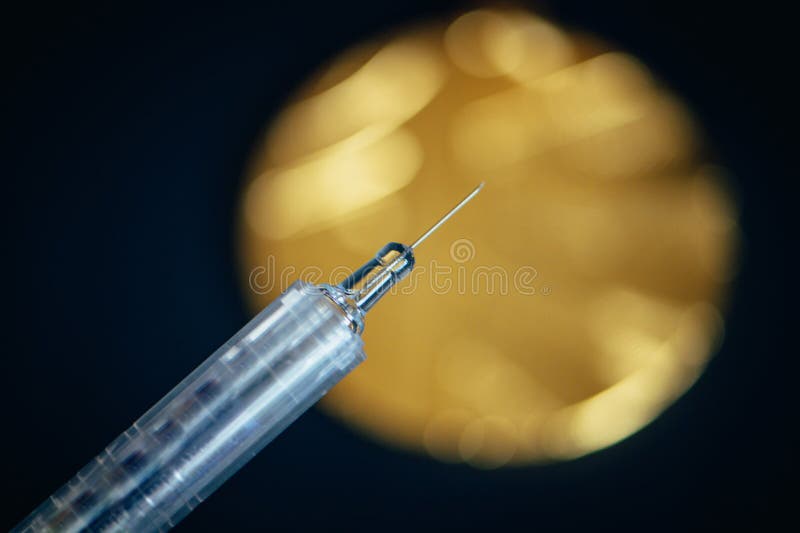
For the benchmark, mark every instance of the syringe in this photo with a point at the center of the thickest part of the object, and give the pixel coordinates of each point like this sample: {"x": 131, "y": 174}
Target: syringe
{"x": 230, "y": 407}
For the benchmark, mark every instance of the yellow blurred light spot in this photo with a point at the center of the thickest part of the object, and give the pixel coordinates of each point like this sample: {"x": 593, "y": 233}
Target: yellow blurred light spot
{"x": 605, "y": 92}
{"x": 527, "y": 48}
{"x": 634, "y": 400}
{"x": 346, "y": 178}
{"x": 393, "y": 85}
{"x": 488, "y": 442}
{"x": 469, "y": 38}
{"x": 616, "y": 239}
{"x": 487, "y": 43}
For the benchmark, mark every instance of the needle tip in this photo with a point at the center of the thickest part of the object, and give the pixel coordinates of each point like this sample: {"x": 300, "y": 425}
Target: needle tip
{"x": 447, "y": 215}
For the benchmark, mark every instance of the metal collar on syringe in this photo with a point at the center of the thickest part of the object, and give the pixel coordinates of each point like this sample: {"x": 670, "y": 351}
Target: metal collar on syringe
{"x": 361, "y": 290}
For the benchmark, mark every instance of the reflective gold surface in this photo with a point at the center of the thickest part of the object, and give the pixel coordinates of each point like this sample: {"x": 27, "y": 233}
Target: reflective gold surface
{"x": 569, "y": 304}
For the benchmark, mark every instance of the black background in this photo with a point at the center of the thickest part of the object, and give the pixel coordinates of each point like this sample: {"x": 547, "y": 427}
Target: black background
{"x": 125, "y": 131}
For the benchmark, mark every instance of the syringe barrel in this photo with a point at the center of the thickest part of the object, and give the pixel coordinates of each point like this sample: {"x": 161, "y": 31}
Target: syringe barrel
{"x": 213, "y": 422}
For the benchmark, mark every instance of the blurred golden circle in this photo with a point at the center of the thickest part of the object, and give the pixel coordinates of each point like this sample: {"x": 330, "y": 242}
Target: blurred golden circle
{"x": 569, "y": 304}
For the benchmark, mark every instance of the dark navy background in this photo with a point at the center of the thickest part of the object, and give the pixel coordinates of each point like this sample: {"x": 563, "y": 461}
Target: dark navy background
{"x": 125, "y": 131}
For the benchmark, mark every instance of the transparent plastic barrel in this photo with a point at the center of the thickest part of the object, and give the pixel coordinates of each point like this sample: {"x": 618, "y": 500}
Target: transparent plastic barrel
{"x": 213, "y": 422}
